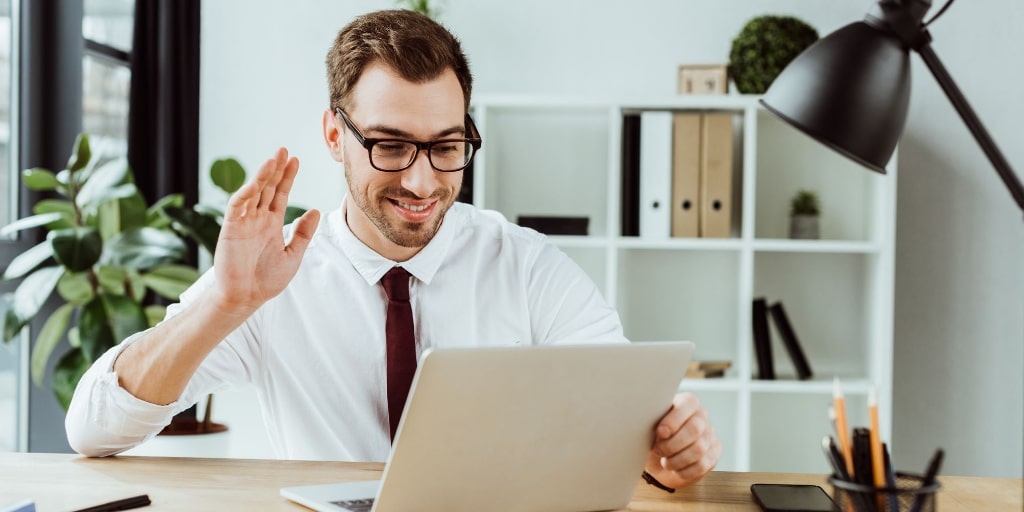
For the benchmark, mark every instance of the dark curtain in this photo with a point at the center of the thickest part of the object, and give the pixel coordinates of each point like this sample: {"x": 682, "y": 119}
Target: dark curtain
{"x": 163, "y": 121}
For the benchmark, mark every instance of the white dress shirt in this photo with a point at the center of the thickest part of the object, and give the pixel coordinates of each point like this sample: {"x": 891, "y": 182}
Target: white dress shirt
{"x": 316, "y": 352}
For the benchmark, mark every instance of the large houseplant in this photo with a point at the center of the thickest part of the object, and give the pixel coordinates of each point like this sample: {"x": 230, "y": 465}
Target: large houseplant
{"x": 106, "y": 255}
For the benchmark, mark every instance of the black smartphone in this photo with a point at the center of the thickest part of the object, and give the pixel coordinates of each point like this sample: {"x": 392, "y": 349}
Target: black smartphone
{"x": 791, "y": 498}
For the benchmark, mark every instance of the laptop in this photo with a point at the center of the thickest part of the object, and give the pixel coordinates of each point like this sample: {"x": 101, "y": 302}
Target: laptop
{"x": 524, "y": 428}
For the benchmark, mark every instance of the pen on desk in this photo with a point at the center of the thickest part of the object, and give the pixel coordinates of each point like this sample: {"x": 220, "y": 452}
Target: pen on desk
{"x": 929, "y": 479}
{"x": 141, "y": 500}
{"x": 842, "y": 434}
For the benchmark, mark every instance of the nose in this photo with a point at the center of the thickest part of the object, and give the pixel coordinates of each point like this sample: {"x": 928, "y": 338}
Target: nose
{"x": 420, "y": 178}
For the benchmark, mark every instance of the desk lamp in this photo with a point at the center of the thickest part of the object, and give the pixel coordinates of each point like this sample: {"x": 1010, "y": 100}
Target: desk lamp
{"x": 850, "y": 90}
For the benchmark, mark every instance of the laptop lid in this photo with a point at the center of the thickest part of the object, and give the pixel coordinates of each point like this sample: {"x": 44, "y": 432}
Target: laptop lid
{"x": 526, "y": 428}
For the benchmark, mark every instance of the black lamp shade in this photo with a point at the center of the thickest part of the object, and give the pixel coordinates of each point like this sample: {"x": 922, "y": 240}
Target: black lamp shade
{"x": 849, "y": 91}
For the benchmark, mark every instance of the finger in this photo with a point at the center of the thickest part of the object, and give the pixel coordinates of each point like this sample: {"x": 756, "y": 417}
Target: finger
{"x": 697, "y": 459}
{"x": 305, "y": 227}
{"x": 272, "y": 178}
{"x": 692, "y": 432}
{"x": 284, "y": 188}
{"x": 684, "y": 405}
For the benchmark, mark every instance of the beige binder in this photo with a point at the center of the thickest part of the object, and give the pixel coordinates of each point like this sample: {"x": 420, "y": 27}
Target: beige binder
{"x": 716, "y": 175}
{"x": 686, "y": 134}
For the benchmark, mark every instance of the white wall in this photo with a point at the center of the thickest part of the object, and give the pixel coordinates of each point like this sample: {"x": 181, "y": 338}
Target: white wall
{"x": 959, "y": 381}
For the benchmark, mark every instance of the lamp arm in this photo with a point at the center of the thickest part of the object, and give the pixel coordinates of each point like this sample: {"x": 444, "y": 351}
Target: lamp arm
{"x": 988, "y": 145}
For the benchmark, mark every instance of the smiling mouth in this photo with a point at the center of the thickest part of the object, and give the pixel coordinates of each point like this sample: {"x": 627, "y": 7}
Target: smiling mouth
{"x": 412, "y": 207}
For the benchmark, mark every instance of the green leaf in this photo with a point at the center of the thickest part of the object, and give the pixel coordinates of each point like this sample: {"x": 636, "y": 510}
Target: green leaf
{"x": 61, "y": 206}
{"x": 40, "y": 179}
{"x": 94, "y": 329}
{"x": 34, "y": 290}
{"x": 32, "y": 221}
{"x": 170, "y": 280}
{"x": 47, "y": 340}
{"x": 28, "y": 260}
{"x": 81, "y": 154}
{"x": 78, "y": 249}
{"x": 143, "y": 248}
{"x": 75, "y": 288}
{"x": 108, "y": 219}
{"x": 12, "y": 325}
{"x": 227, "y": 174}
{"x": 112, "y": 279}
{"x": 292, "y": 213}
{"x": 203, "y": 228}
{"x": 136, "y": 288}
{"x": 155, "y": 217}
{"x": 106, "y": 182}
{"x": 66, "y": 374}
{"x": 74, "y": 339}
{"x": 133, "y": 212}
{"x": 106, "y": 321}
{"x": 155, "y": 314}
{"x": 209, "y": 211}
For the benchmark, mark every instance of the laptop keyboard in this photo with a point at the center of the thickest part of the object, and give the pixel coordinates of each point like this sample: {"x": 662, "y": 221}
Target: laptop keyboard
{"x": 362, "y": 505}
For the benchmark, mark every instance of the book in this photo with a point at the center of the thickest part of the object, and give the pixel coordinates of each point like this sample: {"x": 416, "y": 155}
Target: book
{"x": 655, "y": 174}
{"x": 707, "y": 369}
{"x": 762, "y": 339}
{"x": 716, "y": 158}
{"x": 790, "y": 341}
{"x": 686, "y": 127}
{"x": 630, "y": 189}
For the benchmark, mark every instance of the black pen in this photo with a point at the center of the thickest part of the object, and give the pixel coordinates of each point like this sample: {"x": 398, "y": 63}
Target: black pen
{"x": 141, "y": 500}
{"x": 929, "y": 479}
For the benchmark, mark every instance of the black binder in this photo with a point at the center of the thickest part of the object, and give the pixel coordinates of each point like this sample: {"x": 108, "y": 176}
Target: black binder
{"x": 630, "y": 200}
{"x": 796, "y": 353}
{"x": 762, "y": 340}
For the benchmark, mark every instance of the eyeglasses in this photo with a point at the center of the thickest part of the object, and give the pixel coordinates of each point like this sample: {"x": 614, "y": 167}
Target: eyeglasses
{"x": 394, "y": 155}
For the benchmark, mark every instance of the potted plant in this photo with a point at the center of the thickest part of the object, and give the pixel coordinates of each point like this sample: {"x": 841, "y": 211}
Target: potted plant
{"x": 764, "y": 47}
{"x": 105, "y": 255}
{"x": 804, "y": 211}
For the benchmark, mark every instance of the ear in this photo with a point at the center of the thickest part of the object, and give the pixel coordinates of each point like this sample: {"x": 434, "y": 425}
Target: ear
{"x": 332, "y": 135}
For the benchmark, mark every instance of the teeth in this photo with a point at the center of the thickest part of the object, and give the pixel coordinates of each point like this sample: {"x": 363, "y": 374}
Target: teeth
{"x": 412, "y": 207}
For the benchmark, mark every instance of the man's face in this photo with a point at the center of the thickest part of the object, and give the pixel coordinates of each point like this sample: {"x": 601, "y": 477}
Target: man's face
{"x": 397, "y": 213}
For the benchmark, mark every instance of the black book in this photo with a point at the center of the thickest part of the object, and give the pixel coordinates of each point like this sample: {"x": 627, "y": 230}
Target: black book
{"x": 630, "y": 201}
{"x": 796, "y": 353}
{"x": 762, "y": 340}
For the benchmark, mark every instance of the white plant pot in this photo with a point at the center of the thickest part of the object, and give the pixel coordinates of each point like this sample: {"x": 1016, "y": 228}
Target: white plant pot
{"x": 803, "y": 227}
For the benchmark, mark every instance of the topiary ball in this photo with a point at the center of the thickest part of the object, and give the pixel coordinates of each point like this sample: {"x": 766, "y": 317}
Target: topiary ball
{"x": 764, "y": 47}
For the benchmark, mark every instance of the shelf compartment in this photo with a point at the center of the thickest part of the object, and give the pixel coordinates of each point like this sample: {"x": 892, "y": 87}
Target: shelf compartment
{"x": 827, "y": 301}
{"x": 681, "y": 295}
{"x": 547, "y": 162}
{"x": 788, "y": 160}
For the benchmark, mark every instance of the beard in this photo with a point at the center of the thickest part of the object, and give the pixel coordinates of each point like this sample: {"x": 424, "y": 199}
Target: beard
{"x": 397, "y": 231}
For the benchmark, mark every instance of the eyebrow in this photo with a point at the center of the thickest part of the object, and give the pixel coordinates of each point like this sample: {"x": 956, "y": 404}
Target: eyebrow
{"x": 395, "y": 132}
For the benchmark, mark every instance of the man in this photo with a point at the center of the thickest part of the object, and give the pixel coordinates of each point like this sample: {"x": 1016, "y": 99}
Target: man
{"x": 305, "y": 315}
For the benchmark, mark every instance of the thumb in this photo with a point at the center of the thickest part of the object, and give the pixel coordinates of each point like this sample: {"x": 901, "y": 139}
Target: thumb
{"x": 305, "y": 227}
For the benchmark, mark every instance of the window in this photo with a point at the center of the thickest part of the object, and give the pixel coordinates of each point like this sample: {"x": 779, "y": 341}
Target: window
{"x": 11, "y": 379}
{"x": 106, "y": 75}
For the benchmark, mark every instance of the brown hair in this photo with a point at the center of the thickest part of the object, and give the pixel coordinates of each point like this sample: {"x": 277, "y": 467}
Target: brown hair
{"x": 412, "y": 44}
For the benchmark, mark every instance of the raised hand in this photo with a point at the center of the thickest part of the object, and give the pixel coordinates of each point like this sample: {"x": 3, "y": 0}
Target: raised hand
{"x": 685, "y": 446}
{"x": 252, "y": 262}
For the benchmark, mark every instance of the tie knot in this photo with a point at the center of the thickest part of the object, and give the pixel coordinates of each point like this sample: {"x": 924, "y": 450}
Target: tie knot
{"x": 396, "y": 284}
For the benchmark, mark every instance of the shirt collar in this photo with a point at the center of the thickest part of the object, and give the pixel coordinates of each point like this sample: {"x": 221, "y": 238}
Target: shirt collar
{"x": 372, "y": 266}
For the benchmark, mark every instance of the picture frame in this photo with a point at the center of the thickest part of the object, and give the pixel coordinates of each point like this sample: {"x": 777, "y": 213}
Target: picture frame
{"x": 703, "y": 79}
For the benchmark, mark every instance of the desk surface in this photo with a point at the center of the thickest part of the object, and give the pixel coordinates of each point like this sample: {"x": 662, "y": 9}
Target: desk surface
{"x": 59, "y": 482}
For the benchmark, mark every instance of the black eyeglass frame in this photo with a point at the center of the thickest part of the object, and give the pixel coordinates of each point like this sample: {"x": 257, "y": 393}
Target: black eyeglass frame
{"x": 368, "y": 143}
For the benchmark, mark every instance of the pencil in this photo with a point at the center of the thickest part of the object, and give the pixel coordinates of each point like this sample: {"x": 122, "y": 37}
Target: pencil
{"x": 877, "y": 457}
{"x": 841, "y": 429}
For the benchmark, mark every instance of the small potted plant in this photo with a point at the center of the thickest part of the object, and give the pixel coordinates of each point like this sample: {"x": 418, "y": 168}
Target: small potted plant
{"x": 804, "y": 210}
{"x": 764, "y": 46}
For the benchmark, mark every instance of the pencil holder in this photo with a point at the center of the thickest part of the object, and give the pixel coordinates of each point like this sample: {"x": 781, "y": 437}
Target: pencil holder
{"x": 910, "y": 494}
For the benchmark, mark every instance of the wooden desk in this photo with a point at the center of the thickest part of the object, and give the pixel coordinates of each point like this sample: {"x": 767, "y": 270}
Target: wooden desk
{"x": 66, "y": 482}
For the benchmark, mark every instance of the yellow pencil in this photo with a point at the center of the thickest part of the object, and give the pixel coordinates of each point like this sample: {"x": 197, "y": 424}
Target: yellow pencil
{"x": 841, "y": 429}
{"x": 877, "y": 459}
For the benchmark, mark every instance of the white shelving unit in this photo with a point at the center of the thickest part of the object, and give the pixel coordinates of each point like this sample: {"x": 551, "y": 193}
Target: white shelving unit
{"x": 562, "y": 156}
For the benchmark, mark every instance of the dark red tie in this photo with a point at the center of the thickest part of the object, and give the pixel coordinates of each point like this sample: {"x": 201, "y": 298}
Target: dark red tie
{"x": 401, "y": 343}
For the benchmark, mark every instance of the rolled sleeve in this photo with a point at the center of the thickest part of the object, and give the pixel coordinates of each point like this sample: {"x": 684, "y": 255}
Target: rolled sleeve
{"x": 105, "y": 419}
